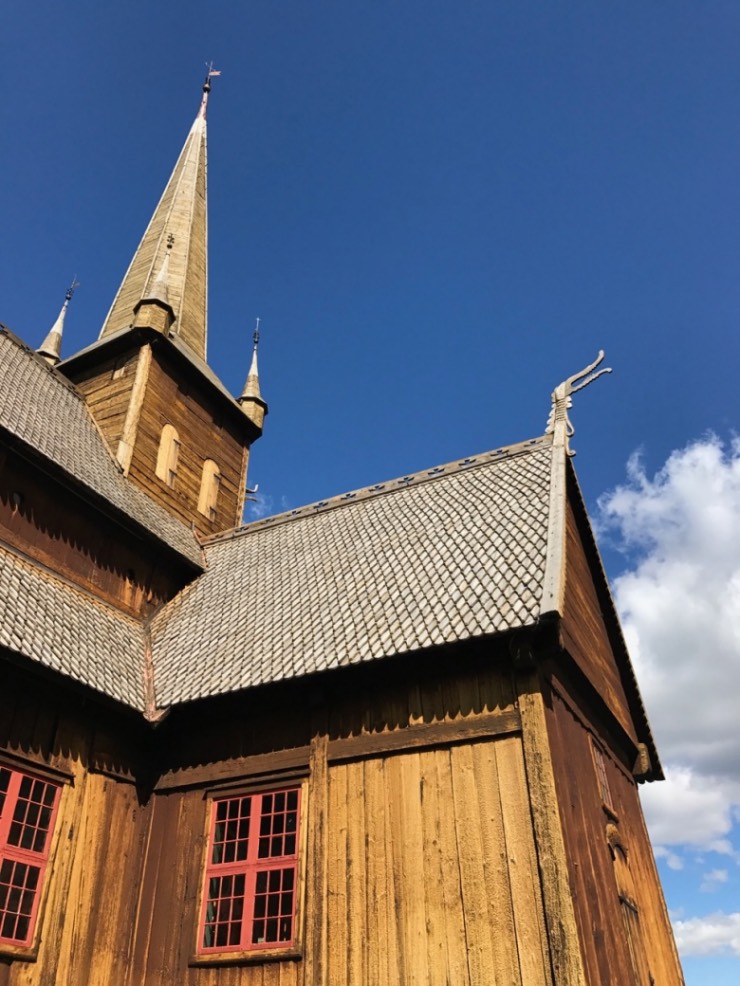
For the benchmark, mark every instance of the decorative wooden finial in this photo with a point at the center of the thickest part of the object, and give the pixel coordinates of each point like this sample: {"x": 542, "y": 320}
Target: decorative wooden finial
{"x": 559, "y": 424}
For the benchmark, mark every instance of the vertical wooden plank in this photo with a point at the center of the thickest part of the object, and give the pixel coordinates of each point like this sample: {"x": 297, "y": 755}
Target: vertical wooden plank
{"x": 336, "y": 882}
{"x": 529, "y": 918}
{"x": 408, "y": 852}
{"x": 446, "y": 930}
{"x": 356, "y": 875}
{"x": 562, "y": 928}
{"x": 494, "y": 861}
{"x": 380, "y": 940}
{"x": 315, "y": 898}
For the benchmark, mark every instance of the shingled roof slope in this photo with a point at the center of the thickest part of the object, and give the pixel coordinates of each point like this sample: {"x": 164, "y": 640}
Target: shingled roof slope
{"x": 42, "y": 409}
{"x": 47, "y": 620}
{"x": 442, "y": 556}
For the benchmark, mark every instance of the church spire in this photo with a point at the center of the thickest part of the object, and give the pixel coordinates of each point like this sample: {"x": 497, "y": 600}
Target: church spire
{"x": 251, "y": 400}
{"x": 51, "y": 348}
{"x": 176, "y": 240}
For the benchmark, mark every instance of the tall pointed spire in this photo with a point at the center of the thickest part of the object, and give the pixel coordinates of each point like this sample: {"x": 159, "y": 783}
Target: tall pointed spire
{"x": 181, "y": 214}
{"x": 51, "y": 348}
{"x": 251, "y": 400}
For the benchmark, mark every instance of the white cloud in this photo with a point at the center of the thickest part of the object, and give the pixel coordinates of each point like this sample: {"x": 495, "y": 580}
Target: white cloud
{"x": 715, "y": 934}
{"x": 673, "y": 861}
{"x": 264, "y": 505}
{"x": 680, "y": 607}
{"x": 713, "y": 880}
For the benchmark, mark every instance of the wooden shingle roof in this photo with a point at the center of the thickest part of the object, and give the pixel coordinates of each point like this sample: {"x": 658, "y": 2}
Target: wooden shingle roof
{"x": 41, "y": 409}
{"x": 446, "y": 555}
{"x": 51, "y": 622}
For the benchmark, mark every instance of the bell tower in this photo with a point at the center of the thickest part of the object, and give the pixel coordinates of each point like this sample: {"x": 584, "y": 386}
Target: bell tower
{"x": 170, "y": 423}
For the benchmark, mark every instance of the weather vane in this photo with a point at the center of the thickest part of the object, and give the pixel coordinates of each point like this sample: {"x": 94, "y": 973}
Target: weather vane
{"x": 72, "y": 288}
{"x": 562, "y": 400}
{"x": 210, "y": 72}
{"x": 256, "y": 334}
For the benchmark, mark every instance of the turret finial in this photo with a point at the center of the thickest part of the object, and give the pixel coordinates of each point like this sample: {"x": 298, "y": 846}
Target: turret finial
{"x": 559, "y": 424}
{"x": 51, "y": 348}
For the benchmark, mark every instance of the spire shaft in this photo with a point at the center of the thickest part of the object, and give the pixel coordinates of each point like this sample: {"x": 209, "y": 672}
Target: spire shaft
{"x": 182, "y": 213}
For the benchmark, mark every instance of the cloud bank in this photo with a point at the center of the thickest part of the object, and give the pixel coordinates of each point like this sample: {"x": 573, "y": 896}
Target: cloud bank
{"x": 679, "y": 602}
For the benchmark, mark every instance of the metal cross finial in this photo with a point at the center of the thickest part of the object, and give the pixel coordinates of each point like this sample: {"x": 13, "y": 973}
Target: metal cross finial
{"x": 256, "y": 335}
{"x": 559, "y": 424}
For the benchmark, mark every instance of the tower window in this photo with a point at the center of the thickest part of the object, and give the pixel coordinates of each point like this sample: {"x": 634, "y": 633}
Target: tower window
{"x": 169, "y": 452}
{"x": 27, "y": 810}
{"x": 209, "y": 487}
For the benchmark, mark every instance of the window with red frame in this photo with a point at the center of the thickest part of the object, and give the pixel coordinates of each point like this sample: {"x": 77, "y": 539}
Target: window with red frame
{"x": 28, "y": 808}
{"x": 249, "y": 898}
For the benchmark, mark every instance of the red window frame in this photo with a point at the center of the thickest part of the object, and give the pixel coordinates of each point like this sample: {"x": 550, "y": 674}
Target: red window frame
{"x": 250, "y": 889}
{"x": 28, "y": 809}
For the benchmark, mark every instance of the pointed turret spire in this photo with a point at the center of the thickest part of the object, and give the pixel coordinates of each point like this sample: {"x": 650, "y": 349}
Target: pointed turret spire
{"x": 250, "y": 399}
{"x": 51, "y": 348}
{"x": 181, "y": 265}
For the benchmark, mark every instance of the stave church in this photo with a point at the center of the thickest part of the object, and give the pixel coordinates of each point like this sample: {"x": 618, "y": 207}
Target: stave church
{"x": 393, "y": 738}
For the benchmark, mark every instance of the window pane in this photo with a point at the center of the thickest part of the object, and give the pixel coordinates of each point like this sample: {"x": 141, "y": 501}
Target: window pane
{"x": 18, "y": 886}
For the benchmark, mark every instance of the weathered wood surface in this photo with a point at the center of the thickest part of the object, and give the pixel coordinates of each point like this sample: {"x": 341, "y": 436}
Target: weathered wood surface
{"x": 107, "y": 392}
{"x": 420, "y": 862}
{"x": 87, "y": 919}
{"x": 204, "y": 434}
{"x": 584, "y": 632}
{"x": 54, "y": 526}
{"x": 589, "y": 860}
{"x": 135, "y": 407}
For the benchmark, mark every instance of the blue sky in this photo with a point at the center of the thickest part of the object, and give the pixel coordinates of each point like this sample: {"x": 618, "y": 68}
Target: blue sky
{"x": 440, "y": 210}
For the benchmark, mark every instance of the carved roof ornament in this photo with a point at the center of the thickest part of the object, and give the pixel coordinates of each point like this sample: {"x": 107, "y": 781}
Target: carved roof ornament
{"x": 559, "y": 424}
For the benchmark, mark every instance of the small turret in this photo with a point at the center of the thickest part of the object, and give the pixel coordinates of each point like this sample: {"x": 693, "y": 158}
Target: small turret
{"x": 51, "y": 348}
{"x": 250, "y": 399}
{"x": 154, "y": 310}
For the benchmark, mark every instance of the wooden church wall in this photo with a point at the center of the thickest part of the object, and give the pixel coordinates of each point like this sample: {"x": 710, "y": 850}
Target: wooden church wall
{"x": 85, "y": 925}
{"x": 52, "y": 525}
{"x": 588, "y": 828}
{"x": 107, "y": 391}
{"x": 584, "y": 632}
{"x": 419, "y": 864}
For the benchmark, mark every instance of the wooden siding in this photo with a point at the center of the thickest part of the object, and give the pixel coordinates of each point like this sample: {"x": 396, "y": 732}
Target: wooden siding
{"x": 107, "y": 392}
{"x": 591, "y": 869}
{"x": 85, "y": 926}
{"x": 55, "y": 527}
{"x": 585, "y": 635}
{"x": 204, "y": 434}
{"x": 422, "y": 870}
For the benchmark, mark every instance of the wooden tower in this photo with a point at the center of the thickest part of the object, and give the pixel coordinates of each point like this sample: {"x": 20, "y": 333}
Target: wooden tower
{"x": 169, "y": 421}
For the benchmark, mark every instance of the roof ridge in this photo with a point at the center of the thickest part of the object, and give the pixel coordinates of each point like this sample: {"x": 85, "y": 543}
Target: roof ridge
{"x": 383, "y": 488}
